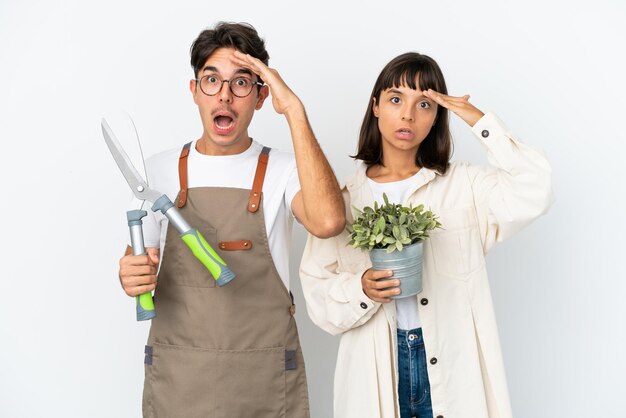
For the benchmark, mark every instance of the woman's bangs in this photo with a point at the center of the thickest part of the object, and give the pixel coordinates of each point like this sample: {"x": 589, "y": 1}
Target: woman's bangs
{"x": 407, "y": 75}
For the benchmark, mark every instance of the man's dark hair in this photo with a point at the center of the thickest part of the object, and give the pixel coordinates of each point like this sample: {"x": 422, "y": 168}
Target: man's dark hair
{"x": 436, "y": 149}
{"x": 240, "y": 36}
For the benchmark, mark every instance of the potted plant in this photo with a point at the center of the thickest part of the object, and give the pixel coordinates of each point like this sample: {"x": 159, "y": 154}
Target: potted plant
{"x": 394, "y": 235}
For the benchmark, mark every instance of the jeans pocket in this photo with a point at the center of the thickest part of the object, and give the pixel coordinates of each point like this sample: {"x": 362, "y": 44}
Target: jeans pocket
{"x": 422, "y": 384}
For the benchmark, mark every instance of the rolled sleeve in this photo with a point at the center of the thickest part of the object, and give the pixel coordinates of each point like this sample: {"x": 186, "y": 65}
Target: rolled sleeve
{"x": 334, "y": 296}
{"x": 514, "y": 189}
{"x": 293, "y": 186}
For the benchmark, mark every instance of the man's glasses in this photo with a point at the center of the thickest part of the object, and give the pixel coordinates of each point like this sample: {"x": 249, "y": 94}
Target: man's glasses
{"x": 239, "y": 86}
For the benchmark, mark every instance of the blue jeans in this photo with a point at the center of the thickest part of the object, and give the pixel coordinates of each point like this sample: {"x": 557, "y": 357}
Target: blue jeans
{"x": 413, "y": 386}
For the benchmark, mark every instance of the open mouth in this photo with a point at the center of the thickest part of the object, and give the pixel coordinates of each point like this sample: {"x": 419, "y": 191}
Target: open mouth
{"x": 404, "y": 133}
{"x": 223, "y": 123}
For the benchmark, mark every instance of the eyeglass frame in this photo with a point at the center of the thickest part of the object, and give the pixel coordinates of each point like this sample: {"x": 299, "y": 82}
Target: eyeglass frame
{"x": 253, "y": 83}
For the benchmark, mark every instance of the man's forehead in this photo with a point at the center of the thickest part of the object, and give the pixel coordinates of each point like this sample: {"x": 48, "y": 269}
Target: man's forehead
{"x": 211, "y": 69}
{"x": 219, "y": 62}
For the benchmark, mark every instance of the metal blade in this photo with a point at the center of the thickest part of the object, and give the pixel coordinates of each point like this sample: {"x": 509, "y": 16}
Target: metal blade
{"x": 139, "y": 161}
{"x": 136, "y": 182}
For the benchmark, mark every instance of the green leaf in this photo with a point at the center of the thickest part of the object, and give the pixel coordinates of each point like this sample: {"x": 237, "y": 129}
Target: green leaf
{"x": 391, "y": 226}
{"x": 381, "y": 223}
{"x": 389, "y": 240}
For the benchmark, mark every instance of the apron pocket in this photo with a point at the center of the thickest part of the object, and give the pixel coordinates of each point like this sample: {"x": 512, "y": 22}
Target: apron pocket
{"x": 195, "y": 382}
{"x": 184, "y": 269}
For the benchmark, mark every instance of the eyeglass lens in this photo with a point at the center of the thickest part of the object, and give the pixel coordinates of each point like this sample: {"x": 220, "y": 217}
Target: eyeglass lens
{"x": 239, "y": 86}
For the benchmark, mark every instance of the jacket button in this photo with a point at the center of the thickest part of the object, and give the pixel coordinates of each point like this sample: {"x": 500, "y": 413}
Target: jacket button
{"x": 433, "y": 360}
{"x": 363, "y": 305}
{"x": 424, "y": 301}
{"x": 485, "y": 133}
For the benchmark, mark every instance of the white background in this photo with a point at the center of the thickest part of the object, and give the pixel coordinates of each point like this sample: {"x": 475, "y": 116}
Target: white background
{"x": 553, "y": 71}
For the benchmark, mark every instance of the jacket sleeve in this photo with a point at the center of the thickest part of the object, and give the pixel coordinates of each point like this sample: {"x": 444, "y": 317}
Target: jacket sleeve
{"x": 334, "y": 298}
{"x": 514, "y": 189}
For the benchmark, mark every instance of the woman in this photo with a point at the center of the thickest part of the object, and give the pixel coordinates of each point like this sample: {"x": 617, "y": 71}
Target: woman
{"x": 437, "y": 353}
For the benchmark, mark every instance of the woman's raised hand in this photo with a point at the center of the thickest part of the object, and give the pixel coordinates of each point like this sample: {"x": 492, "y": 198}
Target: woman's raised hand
{"x": 458, "y": 105}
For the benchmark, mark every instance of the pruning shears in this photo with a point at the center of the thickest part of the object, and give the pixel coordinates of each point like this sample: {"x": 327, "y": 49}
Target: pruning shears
{"x": 160, "y": 202}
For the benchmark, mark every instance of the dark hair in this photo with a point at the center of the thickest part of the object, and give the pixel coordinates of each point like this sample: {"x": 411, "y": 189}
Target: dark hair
{"x": 436, "y": 149}
{"x": 240, "y": 36}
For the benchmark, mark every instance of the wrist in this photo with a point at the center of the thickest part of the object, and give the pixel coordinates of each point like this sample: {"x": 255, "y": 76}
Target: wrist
{"x": 363, "y": 283}
{"x": 475, "y": 117}
{"x": 295, "y": 111}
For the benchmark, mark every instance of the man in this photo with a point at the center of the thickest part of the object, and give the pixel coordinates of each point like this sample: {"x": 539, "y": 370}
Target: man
{"x": 231, "y": 351}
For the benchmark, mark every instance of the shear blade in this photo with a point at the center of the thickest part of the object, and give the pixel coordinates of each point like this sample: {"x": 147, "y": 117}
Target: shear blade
{"x": 136, "y": 182}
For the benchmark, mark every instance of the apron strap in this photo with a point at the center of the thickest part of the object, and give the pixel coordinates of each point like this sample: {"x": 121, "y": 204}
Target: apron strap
{"x": 182, "y": 175}
{"x": 257, "y": 185}
{"x": 292, "y": 308}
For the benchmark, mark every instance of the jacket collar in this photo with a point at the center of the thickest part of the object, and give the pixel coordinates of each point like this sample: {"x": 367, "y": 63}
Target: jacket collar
{"x": 362, "y": 195}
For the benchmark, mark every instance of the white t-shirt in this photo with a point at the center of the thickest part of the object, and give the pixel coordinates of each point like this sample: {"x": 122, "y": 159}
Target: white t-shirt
{"x": 280, "y": 186}
{"x": 407, "y": 312}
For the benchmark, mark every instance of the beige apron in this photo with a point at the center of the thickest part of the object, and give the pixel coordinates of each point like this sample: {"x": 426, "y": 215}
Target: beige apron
{"x": 223, "y": 352}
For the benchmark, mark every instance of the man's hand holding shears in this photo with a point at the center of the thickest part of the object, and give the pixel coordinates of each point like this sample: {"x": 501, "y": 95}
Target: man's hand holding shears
{"x": 138, "y": 273}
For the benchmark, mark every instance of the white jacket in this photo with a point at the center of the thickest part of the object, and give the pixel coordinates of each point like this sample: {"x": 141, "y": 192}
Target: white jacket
{"x": 477, "y": 206}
